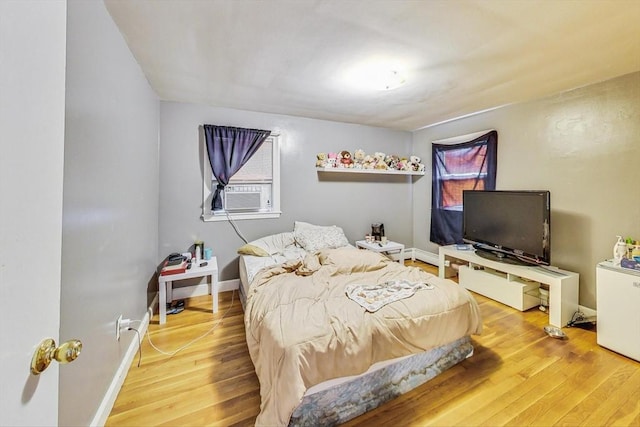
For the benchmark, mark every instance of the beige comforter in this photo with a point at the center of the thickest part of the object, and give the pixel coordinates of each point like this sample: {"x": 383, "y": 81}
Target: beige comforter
{"x": 302, "y": 329}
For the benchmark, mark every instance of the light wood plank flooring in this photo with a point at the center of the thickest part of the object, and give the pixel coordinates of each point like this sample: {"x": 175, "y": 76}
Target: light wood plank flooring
{"x": 517, "y": 376}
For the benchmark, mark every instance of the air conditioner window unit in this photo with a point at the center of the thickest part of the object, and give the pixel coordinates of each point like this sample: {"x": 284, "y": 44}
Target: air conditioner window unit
{"x": 238, "y": 198}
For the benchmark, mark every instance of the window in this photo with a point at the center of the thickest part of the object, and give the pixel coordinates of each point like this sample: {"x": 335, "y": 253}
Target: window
{"x": 253, "y": 192}
{"x": 463, "y": 169}
{"x": 464, "y": 163}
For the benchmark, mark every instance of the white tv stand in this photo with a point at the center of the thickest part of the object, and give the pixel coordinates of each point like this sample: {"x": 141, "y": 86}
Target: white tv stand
{"x": 514, "y": 285}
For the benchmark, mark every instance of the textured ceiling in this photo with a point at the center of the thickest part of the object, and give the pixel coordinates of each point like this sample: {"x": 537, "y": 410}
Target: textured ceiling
{"x": 306, "y": 58}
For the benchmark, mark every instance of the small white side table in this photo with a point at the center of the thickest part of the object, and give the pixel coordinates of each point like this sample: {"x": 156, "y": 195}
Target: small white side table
{"x": 386, "y": 248}
{"x": 165, "y": 284}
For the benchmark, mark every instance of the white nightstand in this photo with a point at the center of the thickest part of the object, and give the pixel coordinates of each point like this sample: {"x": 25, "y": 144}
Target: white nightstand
{"x": 165, "y": 284}
{"x": 393, "y": 250}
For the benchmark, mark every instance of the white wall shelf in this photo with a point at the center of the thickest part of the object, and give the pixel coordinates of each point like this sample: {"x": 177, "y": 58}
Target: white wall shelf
{"x": 368, "y": 171}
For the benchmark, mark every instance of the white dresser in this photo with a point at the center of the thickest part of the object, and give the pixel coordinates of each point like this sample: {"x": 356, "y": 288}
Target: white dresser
{"x": 618, "y": 299}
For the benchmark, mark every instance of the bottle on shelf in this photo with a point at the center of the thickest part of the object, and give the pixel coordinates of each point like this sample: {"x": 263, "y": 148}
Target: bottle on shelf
{"x": 199, "y": 244}
{"x": 619, "y": 251}
{"x": 635, "y": 251}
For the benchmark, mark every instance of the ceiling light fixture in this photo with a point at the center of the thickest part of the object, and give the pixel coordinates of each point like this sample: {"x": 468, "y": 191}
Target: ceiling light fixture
{"x": 392, "y": 80}
{"x": 373, "y": 75}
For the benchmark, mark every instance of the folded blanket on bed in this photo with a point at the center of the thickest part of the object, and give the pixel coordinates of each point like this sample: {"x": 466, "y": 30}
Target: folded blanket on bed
{"x": 374, "y": 297}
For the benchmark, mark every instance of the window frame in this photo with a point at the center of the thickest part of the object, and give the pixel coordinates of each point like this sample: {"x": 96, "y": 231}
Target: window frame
{"x": 207, "y": 189}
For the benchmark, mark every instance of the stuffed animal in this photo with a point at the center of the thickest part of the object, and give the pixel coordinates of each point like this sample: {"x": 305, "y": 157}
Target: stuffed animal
{"x": 403, "y": 165}
{"x": 321, "y": 160}
{"x": 392, "y": 161}
{"x": 415, "y": 164}
{"x": 332, "y": 160}
{"x": 358, "y": 158}
{"x": 345, "y": 159}
{"x": 379, "y": 161}
{"x": 368, "y": 162}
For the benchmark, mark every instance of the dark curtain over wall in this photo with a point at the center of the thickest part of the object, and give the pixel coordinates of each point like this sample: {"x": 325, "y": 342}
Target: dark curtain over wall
{"x": 469, "y": 165}
{"x": 229, "y": 148}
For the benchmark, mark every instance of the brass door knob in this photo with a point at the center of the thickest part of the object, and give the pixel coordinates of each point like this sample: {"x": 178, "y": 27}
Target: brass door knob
{"x": 47, "y": 351}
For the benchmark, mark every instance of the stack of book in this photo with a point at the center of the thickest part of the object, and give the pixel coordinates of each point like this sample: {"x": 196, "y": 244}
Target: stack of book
{"x": 173, "y": 267}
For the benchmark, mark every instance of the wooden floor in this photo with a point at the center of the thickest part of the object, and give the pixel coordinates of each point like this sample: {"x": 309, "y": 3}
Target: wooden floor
{"x": 517, "y": 376}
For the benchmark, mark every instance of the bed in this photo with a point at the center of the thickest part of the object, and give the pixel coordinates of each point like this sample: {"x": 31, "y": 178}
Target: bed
{"x": 334, "y": 331}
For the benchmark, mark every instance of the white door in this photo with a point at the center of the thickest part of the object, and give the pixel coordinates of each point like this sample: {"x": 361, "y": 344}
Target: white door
{"x": 32, "y": 96}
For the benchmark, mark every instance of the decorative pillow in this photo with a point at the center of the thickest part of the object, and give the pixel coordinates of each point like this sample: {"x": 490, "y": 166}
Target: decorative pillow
{"x": 315, "y": 237}
{"x": 268, "y": 245}
{"x": 250, "y": 249}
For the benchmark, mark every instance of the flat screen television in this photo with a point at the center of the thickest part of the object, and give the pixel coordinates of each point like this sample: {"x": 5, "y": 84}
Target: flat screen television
{"x": 509, "y": 226}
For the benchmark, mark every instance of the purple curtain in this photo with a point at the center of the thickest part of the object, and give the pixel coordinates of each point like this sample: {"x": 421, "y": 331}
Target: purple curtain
{"x": 457, "y": 167}
{"x": 229, "y": 148}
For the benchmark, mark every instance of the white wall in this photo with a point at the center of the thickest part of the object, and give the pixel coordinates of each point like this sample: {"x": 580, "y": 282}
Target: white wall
{"x": 110, "y": 214}
{"x": 353, "y": 202}
{"x": 583, "y": 146}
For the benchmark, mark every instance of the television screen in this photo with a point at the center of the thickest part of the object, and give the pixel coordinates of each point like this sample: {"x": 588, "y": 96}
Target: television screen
{"x": 509, "y": 226}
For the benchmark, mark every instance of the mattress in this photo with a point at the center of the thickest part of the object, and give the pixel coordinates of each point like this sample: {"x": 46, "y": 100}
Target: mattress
{"x": 353, "y": 396}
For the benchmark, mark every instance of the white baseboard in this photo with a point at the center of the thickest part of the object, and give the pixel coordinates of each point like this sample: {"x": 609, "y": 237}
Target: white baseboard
{"x": 424, "y": 256}
{"x": 101, "y": 415}
{"x": 153, "y": 305}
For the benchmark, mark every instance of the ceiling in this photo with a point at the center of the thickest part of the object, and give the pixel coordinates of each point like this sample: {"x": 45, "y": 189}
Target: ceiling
{"x": 312, "y": 58}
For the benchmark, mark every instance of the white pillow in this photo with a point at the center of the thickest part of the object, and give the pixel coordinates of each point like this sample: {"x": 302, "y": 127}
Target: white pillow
{"x": 315, "y": 237}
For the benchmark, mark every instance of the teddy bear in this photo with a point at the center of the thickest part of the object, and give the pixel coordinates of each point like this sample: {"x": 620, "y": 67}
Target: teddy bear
{"x": 379, "y": 161}
{"x": 392, "y": 161}
{"x": 321, "y": 160}
{"x": 403, "y": 164}
{"x": 368, "y": 162}
{"x": 345, "y": 159}
{"x": 358, "y": 158}
{"x": 415, "y": 164}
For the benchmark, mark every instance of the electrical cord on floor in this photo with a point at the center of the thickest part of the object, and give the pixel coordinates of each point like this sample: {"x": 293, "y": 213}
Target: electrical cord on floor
{"x": 576, "y": 316}
{"x": 130, "y": 328}
{"x": 579, "y": 320}
{"x": 172, "y": 353}
{"x": 139, "y": 344}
